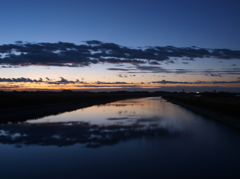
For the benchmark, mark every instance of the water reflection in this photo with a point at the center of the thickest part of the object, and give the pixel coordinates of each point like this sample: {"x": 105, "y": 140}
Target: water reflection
{"x": 138, "y": 138}
{"x": 65, "y": 134}
{"x": 100, "y": 125}
{"x": 144, "y": 111}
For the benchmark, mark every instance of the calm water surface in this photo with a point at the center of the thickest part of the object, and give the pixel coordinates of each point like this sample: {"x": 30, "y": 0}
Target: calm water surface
{"x": 136, "y": 138}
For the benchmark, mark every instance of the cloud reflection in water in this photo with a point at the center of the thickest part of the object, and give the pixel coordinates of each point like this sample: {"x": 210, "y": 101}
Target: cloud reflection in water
{"x": 65, "y": 134}
{"x": 100, "y": 125}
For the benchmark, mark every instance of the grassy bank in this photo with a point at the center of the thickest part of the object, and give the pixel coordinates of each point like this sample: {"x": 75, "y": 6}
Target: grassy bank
{"x": 21, "y": 99}
{"x": 223, "y": 103}
{"x": 21, "y": 106}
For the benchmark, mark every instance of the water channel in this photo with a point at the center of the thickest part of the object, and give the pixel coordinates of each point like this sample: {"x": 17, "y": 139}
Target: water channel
{"x": 134, "y": 138}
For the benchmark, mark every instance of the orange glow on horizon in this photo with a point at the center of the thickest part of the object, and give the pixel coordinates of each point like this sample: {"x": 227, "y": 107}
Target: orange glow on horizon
{"x": 93, "y": 86}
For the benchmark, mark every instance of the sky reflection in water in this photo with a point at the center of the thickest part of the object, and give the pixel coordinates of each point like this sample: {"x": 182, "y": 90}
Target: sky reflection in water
{"x": 136, "y": 138}
{"x": 147, "y": 112}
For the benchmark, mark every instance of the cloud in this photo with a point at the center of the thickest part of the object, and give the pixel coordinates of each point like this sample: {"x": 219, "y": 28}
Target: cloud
{"x": 22, "y": 79}
{"x": 118, "y": 69}
{"x": 213, "y": 75}
{"x": 62, "y": 81}
{"x": 100, "y": 82}
{"x": 110, "y": 86}
{"x": 170, "y": 82}
{"x": 94, "y": 51}
{"x": 153, "y": 62}
{"x": 9, "y": 87}
{"x": 196, "y": 82}
{"x": 122, "y": 76}
{"x": 154, "y": 69}
{"x": 229, "y": 71}
{"x": 40, "y": 80}
{"x": 117, "y": 61}
{"x": 157, "y": 69}
{"x": 93, "y": 42}
{"x": 65, "y": 81}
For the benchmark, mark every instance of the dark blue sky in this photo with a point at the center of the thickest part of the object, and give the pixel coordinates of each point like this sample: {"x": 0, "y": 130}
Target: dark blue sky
{"x": 203, "y": 23}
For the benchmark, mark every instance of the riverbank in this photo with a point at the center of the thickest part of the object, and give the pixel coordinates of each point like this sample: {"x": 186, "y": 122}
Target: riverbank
{"x": 22, "y": 99}
{"x": 21, "y": 106}
{"x": 212, "y": 110}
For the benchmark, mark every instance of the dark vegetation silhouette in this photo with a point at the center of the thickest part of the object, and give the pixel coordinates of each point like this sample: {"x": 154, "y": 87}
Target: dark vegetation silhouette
{"x": 222, "y": 102}
{"x": 20, "y": 99}
{"x": 20, "y": 106}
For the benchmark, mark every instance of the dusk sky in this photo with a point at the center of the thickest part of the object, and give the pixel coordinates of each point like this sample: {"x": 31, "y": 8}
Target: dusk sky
{"x": 103, "y": 45}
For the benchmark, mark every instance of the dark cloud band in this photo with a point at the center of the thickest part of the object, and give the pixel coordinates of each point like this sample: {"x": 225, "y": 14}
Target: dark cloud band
{"x": 64, "y": 81}
{"x": 72, "y": 55}
{"x": 196, "y": 82}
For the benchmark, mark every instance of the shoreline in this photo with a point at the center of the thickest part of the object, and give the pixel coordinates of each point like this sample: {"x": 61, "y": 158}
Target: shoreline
{"x": 20, "y": 114}
{"x": 228, "y": 120}
{"x": 22, "y": 106}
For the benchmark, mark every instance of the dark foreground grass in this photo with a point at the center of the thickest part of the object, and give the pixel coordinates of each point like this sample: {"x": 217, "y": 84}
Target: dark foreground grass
{"x": 22, "y": 99}
{"x": 22, "y": 106}
{"x": 227, "y": 104}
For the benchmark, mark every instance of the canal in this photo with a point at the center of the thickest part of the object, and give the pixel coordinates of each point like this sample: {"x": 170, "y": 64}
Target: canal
{"x": 134, "y": 138}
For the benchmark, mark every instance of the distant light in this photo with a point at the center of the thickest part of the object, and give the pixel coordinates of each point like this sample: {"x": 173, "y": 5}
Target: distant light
{"x": 197, "y": 92}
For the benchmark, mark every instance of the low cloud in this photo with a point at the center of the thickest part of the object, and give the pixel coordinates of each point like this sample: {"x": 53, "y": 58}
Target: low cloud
{"x": 22, "y": 79}
{"x": 93, "y": 52}
{"x": 110, "y": 86}
{"x": 118, "y": 69}
{"x": 100, "y": 82}
{"x": 196, "y": 82}
{"x": 122, "y": 76}
{"x": 63, "y": 81}
{"x": 213, "y": 75}
{"x": 40, "y": 80}
{"x": 157, "y": 69}
{"x": 9, "y": 87}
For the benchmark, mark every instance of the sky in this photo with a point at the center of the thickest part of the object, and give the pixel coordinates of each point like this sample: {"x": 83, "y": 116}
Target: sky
{"x": 133, "y": 45}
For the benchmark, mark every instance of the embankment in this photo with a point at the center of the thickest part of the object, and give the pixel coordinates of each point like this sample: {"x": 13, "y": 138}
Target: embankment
{"x": 224, "y": 117}
{"x": 18, "y": 107}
